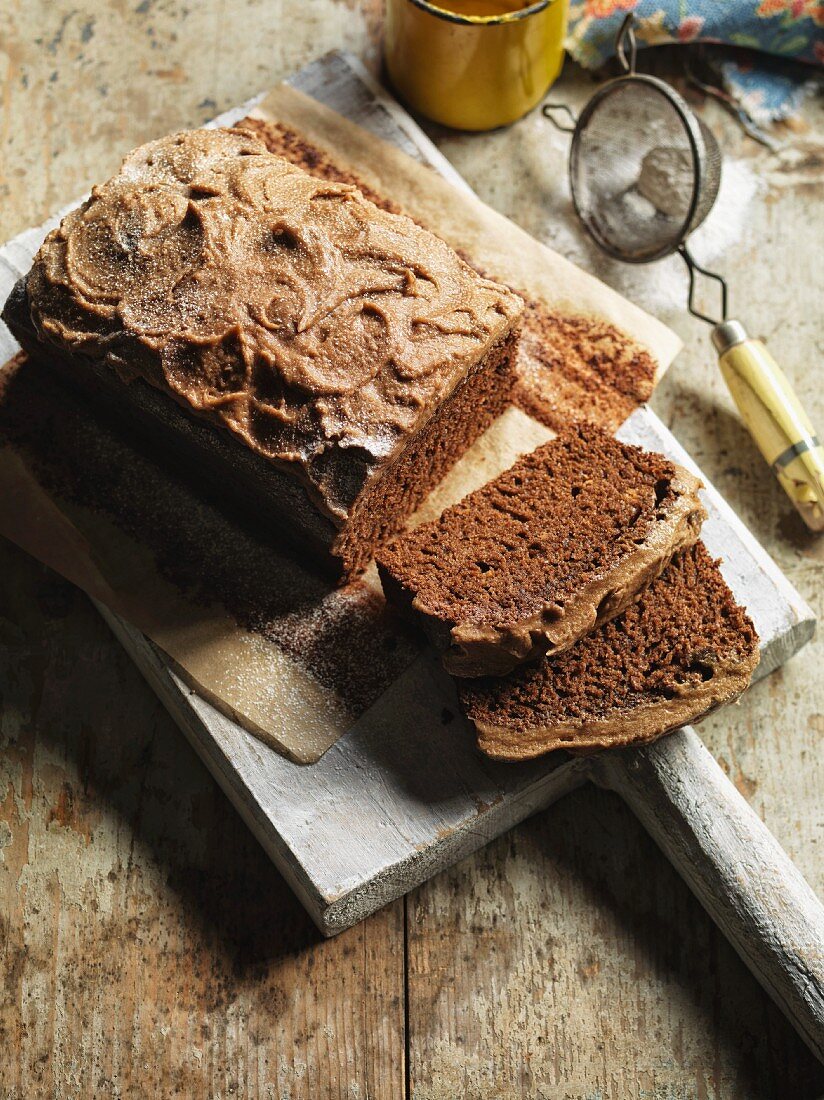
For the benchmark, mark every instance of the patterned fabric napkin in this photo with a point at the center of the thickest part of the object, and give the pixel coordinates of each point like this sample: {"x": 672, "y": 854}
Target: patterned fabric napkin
{"x": 767, "y": 89}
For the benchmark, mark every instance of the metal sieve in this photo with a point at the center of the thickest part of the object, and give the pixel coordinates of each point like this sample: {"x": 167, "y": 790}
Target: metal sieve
{"x": 644, "y": 173}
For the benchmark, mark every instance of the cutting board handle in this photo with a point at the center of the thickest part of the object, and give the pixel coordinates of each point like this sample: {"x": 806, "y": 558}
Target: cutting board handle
{"x": 733, "y": 864}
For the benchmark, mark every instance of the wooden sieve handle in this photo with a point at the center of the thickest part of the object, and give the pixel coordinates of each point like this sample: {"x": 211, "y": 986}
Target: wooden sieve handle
{"x": 775, "y": 419}
{"x": 734, "y": 866}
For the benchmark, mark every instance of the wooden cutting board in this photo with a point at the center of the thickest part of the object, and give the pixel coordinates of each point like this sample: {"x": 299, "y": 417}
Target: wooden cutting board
{"x": 404, "y": 793}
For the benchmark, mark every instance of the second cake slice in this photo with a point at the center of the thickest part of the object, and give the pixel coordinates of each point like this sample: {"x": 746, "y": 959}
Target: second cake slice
{"x": 562, "y": 541}
{"x": 684, "y": 648}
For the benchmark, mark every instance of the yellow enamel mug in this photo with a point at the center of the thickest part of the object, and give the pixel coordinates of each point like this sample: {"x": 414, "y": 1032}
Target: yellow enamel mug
{"x": 473, "y": 71}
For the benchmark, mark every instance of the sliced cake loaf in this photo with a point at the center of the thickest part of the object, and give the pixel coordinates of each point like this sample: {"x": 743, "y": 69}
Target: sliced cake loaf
{"x": 534, "y": 560}
{"x": 314, "y": 359}
{"x": 681, "y": 650}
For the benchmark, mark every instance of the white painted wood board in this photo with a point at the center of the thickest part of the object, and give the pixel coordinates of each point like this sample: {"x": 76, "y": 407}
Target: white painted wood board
{"x": 403, "y": 795}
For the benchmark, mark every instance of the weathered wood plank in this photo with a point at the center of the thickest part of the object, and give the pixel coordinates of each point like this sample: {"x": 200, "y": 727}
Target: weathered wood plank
{"x": 148, "y": 946}
{"x": 569, "y": 960}
{"x": 734, "y": 866}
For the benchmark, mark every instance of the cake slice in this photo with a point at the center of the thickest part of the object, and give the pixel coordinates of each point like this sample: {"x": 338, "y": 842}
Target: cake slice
{"x": 559, "y": 543}
{"x": 315, "y": 358}
{"x": 681, "y": 650}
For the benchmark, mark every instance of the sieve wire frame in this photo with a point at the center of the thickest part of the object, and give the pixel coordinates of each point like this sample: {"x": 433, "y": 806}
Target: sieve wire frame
{"x": 696, "y": 142}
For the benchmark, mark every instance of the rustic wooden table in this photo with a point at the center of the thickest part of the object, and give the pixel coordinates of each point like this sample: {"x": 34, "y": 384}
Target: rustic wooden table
{"x": 147, "y": 946}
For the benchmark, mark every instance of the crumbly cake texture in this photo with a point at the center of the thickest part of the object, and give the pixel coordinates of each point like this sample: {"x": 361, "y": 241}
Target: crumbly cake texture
{"x": 681, "y": 650}
{"x": 327, "y": 335}
{"x": 569, "y": 367}
{"x": 579, "y": 368}
{"x": 561, "y": 542}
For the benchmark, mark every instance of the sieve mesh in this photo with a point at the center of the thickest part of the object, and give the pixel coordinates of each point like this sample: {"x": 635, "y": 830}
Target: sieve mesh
{"x": 644, "y": 170}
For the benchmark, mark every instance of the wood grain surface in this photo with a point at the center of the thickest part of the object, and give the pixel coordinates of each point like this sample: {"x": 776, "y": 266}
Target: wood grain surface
{"x": 147, "y": 946}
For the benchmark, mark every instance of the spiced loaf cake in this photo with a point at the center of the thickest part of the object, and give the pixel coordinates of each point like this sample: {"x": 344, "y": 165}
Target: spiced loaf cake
{"x": 681, "y": 650}
{"x": 535, "y": 559}
{"x": 320, "y": 359}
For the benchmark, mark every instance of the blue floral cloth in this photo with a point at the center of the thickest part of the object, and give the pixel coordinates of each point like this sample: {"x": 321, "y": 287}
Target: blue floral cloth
{"x": 767, "y": 89}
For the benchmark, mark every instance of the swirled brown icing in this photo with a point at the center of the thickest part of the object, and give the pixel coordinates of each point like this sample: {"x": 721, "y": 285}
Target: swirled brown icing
{"x": 287, "y": 309}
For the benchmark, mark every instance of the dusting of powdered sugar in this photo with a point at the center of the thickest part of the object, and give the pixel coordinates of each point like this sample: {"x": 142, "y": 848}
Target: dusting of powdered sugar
{"x": 660, "y": 287}
{"x": 349, "y": 647}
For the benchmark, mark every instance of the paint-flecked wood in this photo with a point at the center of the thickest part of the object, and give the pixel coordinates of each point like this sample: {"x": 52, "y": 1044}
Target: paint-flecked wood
{"x": 613, "y": 981}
